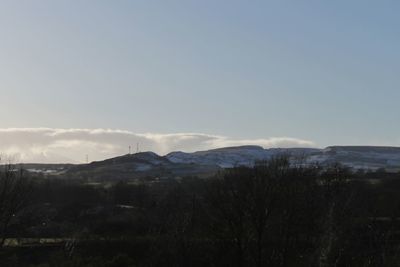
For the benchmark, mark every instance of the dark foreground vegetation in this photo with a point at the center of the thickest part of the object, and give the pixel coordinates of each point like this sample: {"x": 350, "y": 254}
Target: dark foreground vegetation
{"x": 271, "y": 215}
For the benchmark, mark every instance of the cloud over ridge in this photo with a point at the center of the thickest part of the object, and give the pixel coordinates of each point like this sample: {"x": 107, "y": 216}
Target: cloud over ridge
{"x": 54, "y": 145}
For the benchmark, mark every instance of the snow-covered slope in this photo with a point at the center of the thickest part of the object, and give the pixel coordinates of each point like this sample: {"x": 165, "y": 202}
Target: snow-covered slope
{"x": 360, "y": 157}
{"x": 234, "y": 156}
{"x": 223, "y": 157}
{"x": 357, "y": 157}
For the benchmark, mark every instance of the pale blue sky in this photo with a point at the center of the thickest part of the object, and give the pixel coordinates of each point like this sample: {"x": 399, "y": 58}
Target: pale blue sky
{"x": 324, "y": 71}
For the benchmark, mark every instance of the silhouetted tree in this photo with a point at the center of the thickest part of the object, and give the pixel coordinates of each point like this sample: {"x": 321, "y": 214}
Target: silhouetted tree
{"x": 14, "y": 194}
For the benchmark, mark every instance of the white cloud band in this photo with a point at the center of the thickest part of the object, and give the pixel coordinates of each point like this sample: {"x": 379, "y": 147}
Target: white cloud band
{"x": 48, "y": 145}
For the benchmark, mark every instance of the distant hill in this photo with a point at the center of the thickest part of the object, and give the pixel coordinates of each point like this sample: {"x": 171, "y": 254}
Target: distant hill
{"x": 140, "y": 165}
{"x": 207, "y": 163}
{"x": 360, "y": 157}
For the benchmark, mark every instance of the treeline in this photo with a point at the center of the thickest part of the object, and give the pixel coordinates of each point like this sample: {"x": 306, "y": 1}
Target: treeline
{"x": 274, "y": 214}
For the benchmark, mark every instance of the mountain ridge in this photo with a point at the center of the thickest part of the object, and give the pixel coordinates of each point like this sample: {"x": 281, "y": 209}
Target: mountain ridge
{"x": 208, "y": 162}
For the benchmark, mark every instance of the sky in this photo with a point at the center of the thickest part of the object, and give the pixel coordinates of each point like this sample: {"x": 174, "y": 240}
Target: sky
{"x": 92, "y": 77}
